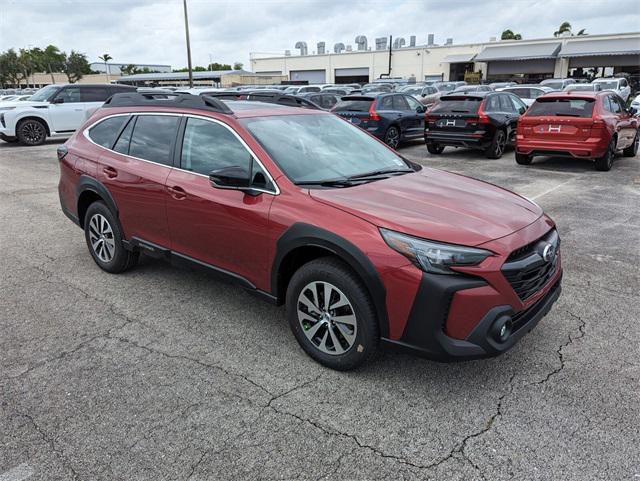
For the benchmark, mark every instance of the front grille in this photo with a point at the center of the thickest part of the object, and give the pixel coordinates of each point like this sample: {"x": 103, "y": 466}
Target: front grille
{"x": 526, "y": 268}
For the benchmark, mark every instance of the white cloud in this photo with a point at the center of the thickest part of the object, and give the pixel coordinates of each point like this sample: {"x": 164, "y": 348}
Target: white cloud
{"x": 153, "y": 31}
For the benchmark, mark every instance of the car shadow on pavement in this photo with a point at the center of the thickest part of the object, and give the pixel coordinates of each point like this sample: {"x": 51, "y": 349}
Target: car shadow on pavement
{"x": 12, "y": 145}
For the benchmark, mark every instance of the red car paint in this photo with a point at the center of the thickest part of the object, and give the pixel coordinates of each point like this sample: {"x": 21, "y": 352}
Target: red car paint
{"x": 180, "y": 211}
{"x": 586, "y": 138}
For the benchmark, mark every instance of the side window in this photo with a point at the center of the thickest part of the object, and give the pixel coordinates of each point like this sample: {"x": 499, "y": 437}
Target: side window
{"x": 506, "y": 105}
{"x": 413, "y": 103}
{"x": 328, "y": 101}
{"x": 518, "y": 104}
{"x": 399, "y": 103}
{"x": 153, "y": 136}
{"x": 122, "y": 145}
{"x": 623, "y": 83}
{"x": 535, "y": 93}
{"x": 386, "y": 103}
{"x": 68, "y": 95}
{"x": 616, "y": 104}
{"x": 492, "y": 104}
{"x": 94, "y": 94}
{"x": 106, "y": 131}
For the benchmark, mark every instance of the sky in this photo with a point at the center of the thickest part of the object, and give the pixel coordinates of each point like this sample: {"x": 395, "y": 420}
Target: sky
{"x": 152, "y": 31}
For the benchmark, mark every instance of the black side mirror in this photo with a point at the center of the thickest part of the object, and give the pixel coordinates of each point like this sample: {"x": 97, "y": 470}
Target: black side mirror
{"x": 233, "y": 177}
{"x": 58, "y": 100}
{"x": 633, "y": 110}
{"x": 420, "y": 109}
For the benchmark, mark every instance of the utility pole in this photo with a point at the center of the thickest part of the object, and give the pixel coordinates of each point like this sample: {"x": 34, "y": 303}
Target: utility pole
{"x": 186, "y": 29}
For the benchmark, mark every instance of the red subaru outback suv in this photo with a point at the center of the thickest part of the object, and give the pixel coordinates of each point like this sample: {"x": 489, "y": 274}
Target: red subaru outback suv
{"x": 304, "y": 209}
{"x": 583, "y": 125}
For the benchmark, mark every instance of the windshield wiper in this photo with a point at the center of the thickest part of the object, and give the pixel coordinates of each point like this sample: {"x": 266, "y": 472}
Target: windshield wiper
{"x": 328, "y": 183}
{"x": 378, "y": 173}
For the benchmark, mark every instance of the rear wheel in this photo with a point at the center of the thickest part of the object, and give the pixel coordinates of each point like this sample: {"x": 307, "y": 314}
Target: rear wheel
{"x": 435, "y": 149}
{"x": 104, "y": 240}
{"x": 523, "y": 159}
{"x": 497, "y": 146}
{"x": 31, "y": 132}
{"x": 632, "y": 150}
{"x": 605, "y": 162}
{"x": 392, "y": 137}
{"x": 331, "y": 314}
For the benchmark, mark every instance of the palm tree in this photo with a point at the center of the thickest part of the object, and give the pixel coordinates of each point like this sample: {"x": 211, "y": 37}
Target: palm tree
{"x": 105, "y": 58}
{"x": 564, "y": 28}
{"x": 509, "y": 35}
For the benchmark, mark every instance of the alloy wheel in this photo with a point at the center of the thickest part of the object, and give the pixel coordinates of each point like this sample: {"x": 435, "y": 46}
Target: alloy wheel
{"x": 392, "y": 139}
{"x": 101, "y": 237}
{"x": 33, "y": 132}
{"x": 501, "y": 141}
{"x": 327, "y": 318}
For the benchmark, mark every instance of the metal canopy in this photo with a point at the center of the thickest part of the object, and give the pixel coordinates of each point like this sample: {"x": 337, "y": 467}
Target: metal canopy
{"x": 612, "y": 46}
{"x": 208, "y": 75}
{"x": 460, "y": 58}
{"x": 519, "y": 52}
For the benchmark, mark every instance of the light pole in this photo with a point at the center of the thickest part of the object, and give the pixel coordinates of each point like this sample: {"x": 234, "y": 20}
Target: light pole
{"x": 186, "y": 30}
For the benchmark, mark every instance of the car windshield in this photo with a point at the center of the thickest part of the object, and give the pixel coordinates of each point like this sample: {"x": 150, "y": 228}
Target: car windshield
{"x": 553, "y": 85}
{"x": 446, "y": 87}
{"x": 412, "y": 90}
{"x": 44, "y": 93}
{"x": 321, "y": 148}
{"x": 608, "y": 85}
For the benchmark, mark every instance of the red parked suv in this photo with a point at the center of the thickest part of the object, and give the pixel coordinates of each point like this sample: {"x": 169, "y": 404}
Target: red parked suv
{"x": 304, "y": 209}
{"x": 578, "y": 124}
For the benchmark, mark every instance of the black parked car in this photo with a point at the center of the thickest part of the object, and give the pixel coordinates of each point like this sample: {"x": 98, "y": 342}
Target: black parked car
{"x": 481, "y": 120}
{"x": 392, "y": 117}
{"x": 326, "y": 100}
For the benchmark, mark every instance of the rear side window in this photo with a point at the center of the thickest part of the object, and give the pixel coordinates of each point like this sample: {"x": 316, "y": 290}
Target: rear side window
{"x": 385, "y": 103}
{"x": 153, "y": 136}
{"x": 545, "y": 107}
{"x": 399, "y": 103}
{"x": 122, "y": 145}
{"x": 328, "y": 101}
{"x": 353, "y": 106}
{"x": 505, "y": 104}
{"x": 457, "y": 106}
{"x": 94, "y": 94}
{"x": 106, "y": 131}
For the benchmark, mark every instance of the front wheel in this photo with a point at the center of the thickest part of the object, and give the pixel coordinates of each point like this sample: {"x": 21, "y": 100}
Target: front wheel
{"x": 497, "y": 146}
{"x": 331, "y": 314}
{"x": 31, "y": 132}
{"x": 632, "y": 150}
{"x": 605, "y": 162}
{"x": 104, "y": 240}
{"x": 435, "y": 149}
{"x": 392, "y": 137}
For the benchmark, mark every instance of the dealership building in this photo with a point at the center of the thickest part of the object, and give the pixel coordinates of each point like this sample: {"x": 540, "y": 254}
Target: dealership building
{"x": 519, "y": 60}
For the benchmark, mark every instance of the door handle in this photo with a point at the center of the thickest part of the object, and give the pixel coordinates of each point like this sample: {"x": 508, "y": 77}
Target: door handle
{"x": 110, "y": 172}
{"x": 177, "y": 192}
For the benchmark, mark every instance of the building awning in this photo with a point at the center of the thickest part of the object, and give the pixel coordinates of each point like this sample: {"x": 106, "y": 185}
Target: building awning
{"x": 519, "y": 52}
{"x": 612, "y": 46}
{"x": 461, "y": 58}
{"x": 170, "y": 76}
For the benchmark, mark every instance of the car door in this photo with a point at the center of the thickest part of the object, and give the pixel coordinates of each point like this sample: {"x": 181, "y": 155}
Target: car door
{"x": 135, "y": 171}
{"x": 416, "y": 114}
{"x": 624, "y": 125}
{"x": 224, "y": 228}
{"x": 67, "y": 109}
{"x": 509, "y": 113}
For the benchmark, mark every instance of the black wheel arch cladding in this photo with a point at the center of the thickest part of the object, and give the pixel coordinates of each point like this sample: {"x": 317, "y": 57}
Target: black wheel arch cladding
{"x": 307, "y": 235}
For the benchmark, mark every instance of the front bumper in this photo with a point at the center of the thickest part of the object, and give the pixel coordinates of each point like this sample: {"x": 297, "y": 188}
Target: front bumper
{"x": 425, "y": 332}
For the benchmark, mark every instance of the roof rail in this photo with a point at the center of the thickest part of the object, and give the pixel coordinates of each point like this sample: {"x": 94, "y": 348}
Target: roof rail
{"x": 268, "y": 97}
{"x": 165, "y": 99}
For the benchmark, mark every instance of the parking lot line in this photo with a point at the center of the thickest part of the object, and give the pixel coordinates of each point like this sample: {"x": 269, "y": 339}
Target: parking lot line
{"x": 19, "y": 473}
{"x": 548, "y": 191}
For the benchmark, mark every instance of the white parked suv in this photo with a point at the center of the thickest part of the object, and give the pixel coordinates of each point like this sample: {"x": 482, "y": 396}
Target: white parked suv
{"x": 55, "y": 110}
{"x": 617, "y": 85}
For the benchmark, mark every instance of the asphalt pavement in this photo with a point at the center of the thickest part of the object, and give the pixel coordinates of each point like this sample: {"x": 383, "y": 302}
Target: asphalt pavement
{"x": 169, "y": 374}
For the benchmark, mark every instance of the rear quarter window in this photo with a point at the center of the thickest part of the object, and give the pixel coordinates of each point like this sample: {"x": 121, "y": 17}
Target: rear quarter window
{"x": 561, "y": 108}
{"x": 106, "y": 131}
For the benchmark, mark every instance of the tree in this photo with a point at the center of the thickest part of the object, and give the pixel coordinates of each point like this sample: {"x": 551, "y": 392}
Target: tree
{"x": 509, "y": 35}
{"x": 10, "y": 68}
{"x": 76, "y": 66}
{"x": 238, "y": 66}
{"x": 565, "y": 27}
{"x": 105, "y": 57}
{"x": 130, "y": 69}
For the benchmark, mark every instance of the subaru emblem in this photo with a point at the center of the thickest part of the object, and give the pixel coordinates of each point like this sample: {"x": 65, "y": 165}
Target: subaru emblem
{"x": 548, "y": 253}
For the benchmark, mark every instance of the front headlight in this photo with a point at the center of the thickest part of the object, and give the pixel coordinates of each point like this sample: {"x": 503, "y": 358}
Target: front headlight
{"x": 433, "y": 257}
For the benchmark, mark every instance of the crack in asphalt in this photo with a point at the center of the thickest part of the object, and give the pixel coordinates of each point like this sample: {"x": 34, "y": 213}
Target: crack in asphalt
{"x": 50, "y": 442}
{"x": 560, "y": 354}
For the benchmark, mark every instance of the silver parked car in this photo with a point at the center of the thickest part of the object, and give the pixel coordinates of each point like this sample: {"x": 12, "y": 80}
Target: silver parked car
{"x": 528, "y": 93}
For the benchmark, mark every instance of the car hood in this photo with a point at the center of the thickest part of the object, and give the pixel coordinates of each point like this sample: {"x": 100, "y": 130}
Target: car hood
{"x": 436, "y": 205}
{"x": 24, "y": 103}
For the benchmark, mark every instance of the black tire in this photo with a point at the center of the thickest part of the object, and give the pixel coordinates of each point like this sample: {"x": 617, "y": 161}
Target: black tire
{"x": 8, "y": 138}
{"x": 497, "y": 146}
{"x": 120, "y": 259}
{"x": 523, "y": 159}
{"x": 344, "y": 284}
{"x": 31, "y": 132}
{"x": 392, "y": 137}
{"x": 605, "y": 162}
{"x": 435, "y": 149}
{"x": 632, "y": 150}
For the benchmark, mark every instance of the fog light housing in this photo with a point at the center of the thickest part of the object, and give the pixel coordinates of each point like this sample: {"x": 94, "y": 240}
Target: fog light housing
{"x": 501, "y": 329}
